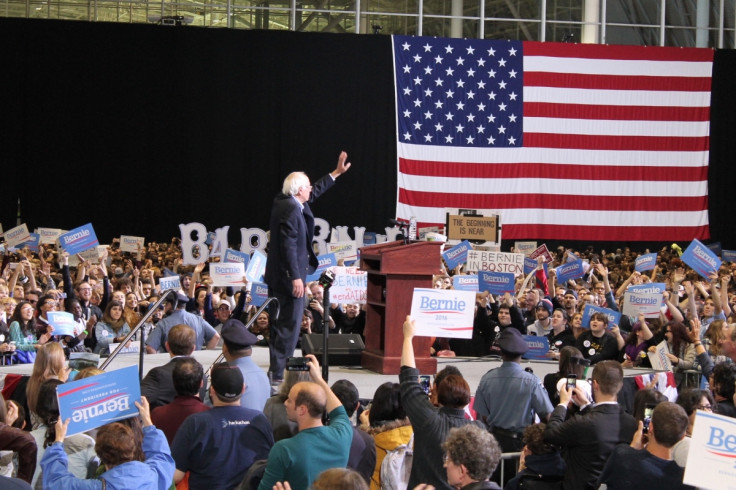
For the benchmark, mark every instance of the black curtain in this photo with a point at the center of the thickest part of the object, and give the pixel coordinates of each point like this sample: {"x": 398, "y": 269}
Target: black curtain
{"x": 138, "y": 128}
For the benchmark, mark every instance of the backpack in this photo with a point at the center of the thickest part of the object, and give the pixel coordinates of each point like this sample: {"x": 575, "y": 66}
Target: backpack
{"x": 396, "y": 466}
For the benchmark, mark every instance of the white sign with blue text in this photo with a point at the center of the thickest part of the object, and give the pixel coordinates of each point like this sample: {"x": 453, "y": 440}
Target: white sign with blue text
{"x": 131, "y": 244}
{"x": 227, "y": 273}
{"x": 710, "y": 460}
{"x": 350, "y": 285}
{"x": 443, "y": 312}
{"x": 645, "y": 299}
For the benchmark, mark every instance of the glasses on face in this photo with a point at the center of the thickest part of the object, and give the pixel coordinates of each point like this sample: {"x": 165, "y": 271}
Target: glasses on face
{"x": 33, "y": 301}
{"x": 707, "y": 408}
{"x": 52, "y": 304}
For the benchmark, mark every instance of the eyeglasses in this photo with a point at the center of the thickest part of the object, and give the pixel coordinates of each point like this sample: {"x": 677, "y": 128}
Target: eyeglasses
{"x": 33, "y": 301}
{"x": 708, "y": 408}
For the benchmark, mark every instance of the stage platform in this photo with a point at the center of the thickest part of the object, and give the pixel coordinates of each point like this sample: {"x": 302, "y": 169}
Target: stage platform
{"x": 366, "y": 381}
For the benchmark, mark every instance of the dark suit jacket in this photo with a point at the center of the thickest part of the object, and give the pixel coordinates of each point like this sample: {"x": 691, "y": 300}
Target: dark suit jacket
{"x": 588, "y": 440}
{"x": 290, "y": 254}
{"x": 158, "y": 385}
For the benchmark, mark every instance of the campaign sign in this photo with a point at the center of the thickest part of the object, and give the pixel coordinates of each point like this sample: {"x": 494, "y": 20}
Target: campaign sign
{"x": 716, "y": 247}
{"x": 325, "y": 262}
{"x": 659, "y": 359}
{"x": 496, "y": 282}
{"x": 525, "y": 247}
{"x": 529, "y": 265}
{"x": 644, "y": 299}
{"x": 544, "y": 251}
{"x": 464, "y": 282}
{"x": 710, "y": 460}
{"x": 17, "y": 235}
{"x": 91, "y": 255}
{"x": 93, "y": 402}
{"x": 350, "y": 285}
{"x": 130, "y": 243}
{"x": 645, "y": 262}
{"x": 236, "y": 256}
{"x": 348, "y": 251}
{"x": 256, "y": 267}
{"x": 614, "y": 317}
{"x": 227, "y": 273}
{"x": 495, "y": 262}
{"x": 170, "y": 282}
{"x": 729, "y": 255}
{"x": 457, "y": 255}
{"x": 538, "y": 347}
{"x": 443, "y": 312}
{"x": 49, "y": 235}
{"x": 258, "y": 294}
{"x": 422, "y": 232}
{"x": 32, "y": 244}
{"x": 369, "y": 238}
{"x": 701, "y": 258}
{"x": 79, "y": 239}
{"x": 570, "y": 271}
{"x": 62, "y": 322}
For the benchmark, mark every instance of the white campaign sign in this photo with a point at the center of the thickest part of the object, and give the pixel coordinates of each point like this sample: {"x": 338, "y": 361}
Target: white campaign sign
{"x": 130, "y": 243}
{"x": 710, "y": 460}
{"x": 227, "y": 273}
{"x": 443, "y": 312}
{"x": 479, "y": 260}
{"x": 350, "y": 285}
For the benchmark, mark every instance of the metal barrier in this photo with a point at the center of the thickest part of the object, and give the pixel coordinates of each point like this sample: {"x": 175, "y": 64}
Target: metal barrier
{"x": 507, "y": 456}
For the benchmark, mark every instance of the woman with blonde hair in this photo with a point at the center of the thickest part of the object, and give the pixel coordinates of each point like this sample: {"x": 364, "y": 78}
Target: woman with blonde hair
{"x": 50, "y": 364}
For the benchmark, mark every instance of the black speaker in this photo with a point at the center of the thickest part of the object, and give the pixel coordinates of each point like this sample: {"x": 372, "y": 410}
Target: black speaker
{"x": 342, "y": 349}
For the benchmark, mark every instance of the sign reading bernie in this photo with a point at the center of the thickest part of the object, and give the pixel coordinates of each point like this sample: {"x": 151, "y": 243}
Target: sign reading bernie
{"x": 479, "y": 260}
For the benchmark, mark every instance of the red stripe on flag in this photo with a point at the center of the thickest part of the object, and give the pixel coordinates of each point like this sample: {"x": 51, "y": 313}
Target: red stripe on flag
{"x": 551, "y": 201}
{"x": 600, "y": 51}
{"x": 618, "y": 113}
{"x": 550, "y": 171}
{"x": 602, "y": 142}
{"x": 616, "y": 82}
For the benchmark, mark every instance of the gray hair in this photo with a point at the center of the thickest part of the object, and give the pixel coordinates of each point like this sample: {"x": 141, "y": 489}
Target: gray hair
{"x": 293, "y": 182}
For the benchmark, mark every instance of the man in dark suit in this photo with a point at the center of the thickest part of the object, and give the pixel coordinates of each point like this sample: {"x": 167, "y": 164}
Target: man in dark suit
{"x": 291, "y": 258}
{"x": 588, "y": 439}
{"x": 158, "y": 385}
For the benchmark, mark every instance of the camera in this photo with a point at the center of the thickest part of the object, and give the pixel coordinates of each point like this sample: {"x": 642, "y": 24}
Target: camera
{"x": 297, "y": 364}
{"x": 424, "y": 382}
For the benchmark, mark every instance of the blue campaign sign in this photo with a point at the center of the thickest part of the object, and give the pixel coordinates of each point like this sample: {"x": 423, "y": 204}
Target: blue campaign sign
{"x": 325, "y": 262}
{"x": 538, "y": 347}
{"x": 614, "y": 317}
{"x": 496, "y": 282}
{"x": 256, "y": 267}
{"x": 93, "y": 402}
{"x": 62, "y": 322}
{"x": 571, "y": 270}
{"x": 369, "y": 238}
{"x": 701, "y": 258}
{"x": 729, "y": 255}
{"x": 645, "y": 262}
{"x": 79, "y": 239}
{"x": 258, "y": 293}
{"x": 463, "y": 282}
{"x": 457, "y": 255}
{"x": 32, "y": 244}
{"x": 236, "y": 256}
{"x": 529, "y": 265}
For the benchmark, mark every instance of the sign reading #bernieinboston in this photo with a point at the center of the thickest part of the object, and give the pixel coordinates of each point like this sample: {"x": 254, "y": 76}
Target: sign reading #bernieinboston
{"x": 93, "y": 402}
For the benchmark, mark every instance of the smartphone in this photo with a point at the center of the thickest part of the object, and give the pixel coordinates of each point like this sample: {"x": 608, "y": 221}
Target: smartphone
{"x": 424, "y": 382}
{"x": 297, "y": 364}
{"x": 648, "y": 409}
{"x": 571, "y": 381}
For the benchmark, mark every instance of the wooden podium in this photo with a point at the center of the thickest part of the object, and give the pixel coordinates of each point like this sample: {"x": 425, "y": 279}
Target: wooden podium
{"x": 394, "y": 270}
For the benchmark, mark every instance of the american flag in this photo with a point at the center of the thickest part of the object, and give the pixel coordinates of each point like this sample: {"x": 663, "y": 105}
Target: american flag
{"x": 564, "y": 141}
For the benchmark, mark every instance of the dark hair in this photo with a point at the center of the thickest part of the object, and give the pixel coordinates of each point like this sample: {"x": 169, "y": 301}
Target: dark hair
{"x": 609, "y": 376}
{"x": 680, "y": 338}
{"x": 690, "y": 399}
{"x": 26, "y": 328}
{"x": 20, "y": 421}
{"x": 602, "y": 317}
{"x": 446, "y": 371}
{"x": 453, "y": 391}
{"x": 106, "y": 318}
{"x": 115, "y": 444}
{"x": 644, "y": 398}
{"x": 187, "y": 376}
{"x": 47, "y": 408}
{"x": 567, "y": 365}
{"x": 386, "y": 405}
{"x": 339, "y": 479}
{"x": 565, "y": 316}
{"x": 669, "y": 423}
{"x": 182, "y": 340}
{"x": 724, "y": 377}
{"x": 121, "y": 282}
{"x": 534, "y": 440}
{"x": 347, "y": 393}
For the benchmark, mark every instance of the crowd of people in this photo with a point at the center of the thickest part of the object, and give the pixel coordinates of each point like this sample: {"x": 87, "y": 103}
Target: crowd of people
{"x": 239, "y": 429}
